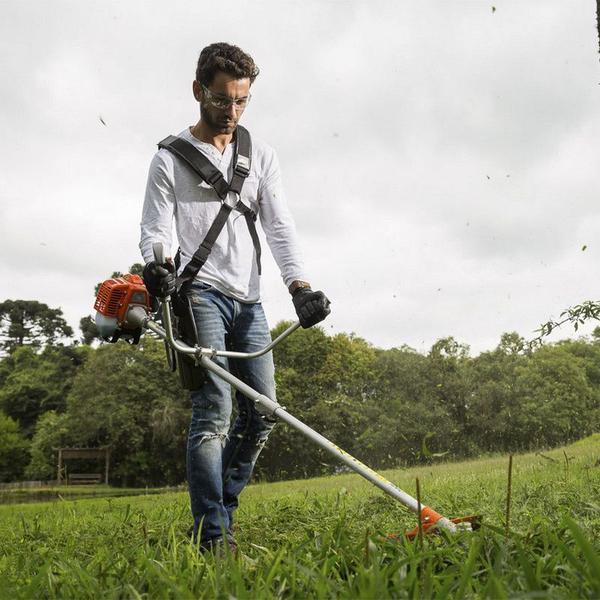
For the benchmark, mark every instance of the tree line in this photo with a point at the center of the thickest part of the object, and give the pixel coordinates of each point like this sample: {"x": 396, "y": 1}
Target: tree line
{"x": 389, "y": 408}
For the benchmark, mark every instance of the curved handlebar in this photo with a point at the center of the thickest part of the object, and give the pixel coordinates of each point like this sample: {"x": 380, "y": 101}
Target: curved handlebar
{"x": 166, "y": 333}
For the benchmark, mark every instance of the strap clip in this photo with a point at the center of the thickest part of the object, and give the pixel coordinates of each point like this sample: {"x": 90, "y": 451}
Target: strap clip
{"x": 242, "y": 165}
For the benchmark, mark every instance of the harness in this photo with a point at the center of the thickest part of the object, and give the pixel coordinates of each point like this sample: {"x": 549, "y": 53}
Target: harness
{"x": 191, "y": 374}
{"x": 199, "y": 163}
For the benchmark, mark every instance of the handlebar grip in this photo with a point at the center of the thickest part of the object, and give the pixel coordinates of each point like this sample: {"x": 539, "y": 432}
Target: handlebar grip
{"x": 158, "y": 250}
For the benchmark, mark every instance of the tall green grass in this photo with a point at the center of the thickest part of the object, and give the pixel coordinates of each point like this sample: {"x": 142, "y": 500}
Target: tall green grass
{"x": 326, "y": 538}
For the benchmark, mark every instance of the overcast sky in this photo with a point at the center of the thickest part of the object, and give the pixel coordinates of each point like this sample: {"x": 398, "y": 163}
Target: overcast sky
{"x": 440, "y": 158}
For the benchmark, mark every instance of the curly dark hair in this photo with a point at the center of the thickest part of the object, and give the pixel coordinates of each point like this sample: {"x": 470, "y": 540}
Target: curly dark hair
{"x": 225, "y": 57}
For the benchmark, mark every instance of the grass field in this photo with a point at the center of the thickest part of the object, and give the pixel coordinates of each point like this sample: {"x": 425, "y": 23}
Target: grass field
{"x": 326, "y": 538}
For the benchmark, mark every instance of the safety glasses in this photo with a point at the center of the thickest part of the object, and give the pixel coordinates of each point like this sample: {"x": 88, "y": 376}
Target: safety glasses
{"x": 225, "y": 102}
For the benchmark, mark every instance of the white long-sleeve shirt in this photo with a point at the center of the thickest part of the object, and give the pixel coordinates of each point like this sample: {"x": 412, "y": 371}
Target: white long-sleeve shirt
{"x": 174, "y": 191}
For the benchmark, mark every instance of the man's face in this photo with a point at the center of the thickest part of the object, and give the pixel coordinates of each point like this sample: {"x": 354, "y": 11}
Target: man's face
{"x": 222, "y": 102}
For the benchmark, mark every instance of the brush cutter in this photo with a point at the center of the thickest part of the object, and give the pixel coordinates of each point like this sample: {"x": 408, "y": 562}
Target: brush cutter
{"x": 124, "y": 310}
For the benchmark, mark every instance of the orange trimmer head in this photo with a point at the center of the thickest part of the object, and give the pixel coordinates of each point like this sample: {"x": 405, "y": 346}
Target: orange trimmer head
{"x": 469, "y": 523}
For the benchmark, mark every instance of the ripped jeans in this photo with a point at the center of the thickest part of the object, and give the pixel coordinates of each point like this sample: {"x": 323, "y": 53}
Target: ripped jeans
{"x": 220, "y": 460}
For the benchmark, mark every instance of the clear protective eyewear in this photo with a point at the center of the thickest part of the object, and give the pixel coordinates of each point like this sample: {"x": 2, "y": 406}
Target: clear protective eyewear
{"x": 225, "y": 102}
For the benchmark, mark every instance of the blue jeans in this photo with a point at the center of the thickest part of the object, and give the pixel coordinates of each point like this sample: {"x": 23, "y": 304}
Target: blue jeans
{"x": 220, "y": 460}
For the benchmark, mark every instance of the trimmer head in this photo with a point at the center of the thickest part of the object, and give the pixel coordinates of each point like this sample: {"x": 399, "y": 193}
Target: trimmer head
{"x": 432, "y": 525}
{"x": 433, "y": 522}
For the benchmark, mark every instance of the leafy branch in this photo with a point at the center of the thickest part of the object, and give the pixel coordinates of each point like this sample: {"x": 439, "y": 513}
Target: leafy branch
{"x": 576, "y": 315}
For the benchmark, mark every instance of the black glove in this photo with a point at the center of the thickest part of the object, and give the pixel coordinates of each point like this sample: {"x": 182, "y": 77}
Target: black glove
{"x": 159, "y": 279}
{"x": 311, "y": 307}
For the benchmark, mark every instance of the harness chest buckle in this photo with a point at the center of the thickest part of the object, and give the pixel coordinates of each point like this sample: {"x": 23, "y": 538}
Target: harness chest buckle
{"x": 242, "y": 165}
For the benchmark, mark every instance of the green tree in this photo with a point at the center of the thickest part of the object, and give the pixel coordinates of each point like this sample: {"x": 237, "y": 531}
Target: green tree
{"x": 449, "y": 376}
{"x": 495, "y": 399}
{"x": 30, "y": 323}
{"x": 556, "y": 399}
{"x": 89, "y": 331}
{"x": 51, "y": 432}
{"x": 325, "y": 382}
{"x": 346, "y": 383}
{"x": 589, "y": 355}
{"x": 14, "y": 450}
{"x": 297, "y": 362}
{"x": 125, "y": 398}
{"x": 35, "y": 382}
{"x": 400, "y": 415}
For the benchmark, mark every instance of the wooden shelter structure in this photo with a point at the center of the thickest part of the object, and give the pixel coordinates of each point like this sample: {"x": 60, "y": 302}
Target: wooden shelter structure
{"x": 65, "y": 454}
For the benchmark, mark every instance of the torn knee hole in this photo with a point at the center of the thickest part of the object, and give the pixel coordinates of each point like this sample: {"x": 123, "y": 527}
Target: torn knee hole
{"x": 205, "y": 437}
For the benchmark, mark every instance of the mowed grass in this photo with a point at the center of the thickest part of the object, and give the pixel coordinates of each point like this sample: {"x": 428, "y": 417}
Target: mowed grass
{"x": 326, "y": 538}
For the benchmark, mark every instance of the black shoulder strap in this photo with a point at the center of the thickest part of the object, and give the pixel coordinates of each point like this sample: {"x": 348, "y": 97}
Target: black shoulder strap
{"x": 250, "y": 216}
{"x": 201, "y": 255}
{"x": 198, "y": 162}
{"x": 242, "y": 161}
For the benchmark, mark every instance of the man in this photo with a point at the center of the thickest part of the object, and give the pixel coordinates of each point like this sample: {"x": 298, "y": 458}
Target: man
{"x": 224, "y": 293}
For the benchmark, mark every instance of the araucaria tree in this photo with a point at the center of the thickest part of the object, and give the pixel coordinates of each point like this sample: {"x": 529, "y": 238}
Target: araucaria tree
{"x": 30, "y": 323}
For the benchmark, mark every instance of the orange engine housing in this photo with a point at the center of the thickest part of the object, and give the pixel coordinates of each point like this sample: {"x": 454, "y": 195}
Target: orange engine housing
{"x": 115, "y": 296}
